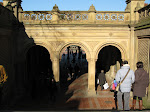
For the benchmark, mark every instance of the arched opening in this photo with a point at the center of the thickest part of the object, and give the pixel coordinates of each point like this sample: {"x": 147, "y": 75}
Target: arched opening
{"x": 39, "y": 70}
{"x": 73, "y": 64}
{"x": 109, "y": 60}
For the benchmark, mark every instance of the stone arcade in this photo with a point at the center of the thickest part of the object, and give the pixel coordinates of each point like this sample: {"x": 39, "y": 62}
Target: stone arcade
{"x": 127, "y": 31}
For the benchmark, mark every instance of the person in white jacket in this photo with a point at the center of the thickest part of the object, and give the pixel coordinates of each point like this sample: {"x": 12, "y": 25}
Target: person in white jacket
{"x": 125, "y": 87}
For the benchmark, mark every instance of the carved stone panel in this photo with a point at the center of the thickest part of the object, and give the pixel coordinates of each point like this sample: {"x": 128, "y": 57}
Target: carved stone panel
{"x": 92, "y": 44}
{"x": 55, "y": 44}
{"x": 143, "y": 52}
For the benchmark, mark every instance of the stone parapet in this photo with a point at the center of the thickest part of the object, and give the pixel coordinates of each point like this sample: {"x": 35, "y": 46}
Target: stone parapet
{"x": 75, "y": 17}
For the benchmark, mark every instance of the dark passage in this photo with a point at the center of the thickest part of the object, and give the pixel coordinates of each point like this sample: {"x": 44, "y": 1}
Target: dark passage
{"x": 39, "y": 69}
{"x": 108, "y": 56}
{"x": 73, "y": 64}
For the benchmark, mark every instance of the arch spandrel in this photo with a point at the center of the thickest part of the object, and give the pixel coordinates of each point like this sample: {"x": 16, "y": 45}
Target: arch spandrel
{"x": 61, "y": 48}
{"x": 115, "y": 44}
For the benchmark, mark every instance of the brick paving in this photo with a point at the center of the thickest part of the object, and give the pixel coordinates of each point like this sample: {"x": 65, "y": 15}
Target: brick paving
{"x": 103, "y": 100}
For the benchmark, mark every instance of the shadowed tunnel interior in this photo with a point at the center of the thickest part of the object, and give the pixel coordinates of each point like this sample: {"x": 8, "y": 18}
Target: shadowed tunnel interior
{"x": 39, "y": 66}
{"x": 108, "y": 56}
{"x": 73, "y": 64}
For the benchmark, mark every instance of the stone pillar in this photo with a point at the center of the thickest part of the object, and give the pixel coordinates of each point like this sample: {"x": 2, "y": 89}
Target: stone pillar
{"x": 132, "y": 4}
{"x": 132, "y": 60}
{"x": 91, "y": 76}
{"x": 112, "y": 71}
{"x": 55, "y": 67}
{"x": 55, "y": 17}
{"x": 118, "y": 66}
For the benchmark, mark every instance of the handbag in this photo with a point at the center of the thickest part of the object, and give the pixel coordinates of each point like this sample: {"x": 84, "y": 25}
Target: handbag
{"x": 118, "y": 85}
{"x": 106, "y": 86}
{"x": 112, "y": 87}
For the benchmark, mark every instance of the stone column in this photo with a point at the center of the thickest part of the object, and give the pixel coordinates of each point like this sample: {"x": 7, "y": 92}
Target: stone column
{"x": 112, "y": 71}
{"x": 91, "y": 76}
{"x": 55, "y": 67}
{"x": 118, "y": 66}
{"x": 132, "y": 49}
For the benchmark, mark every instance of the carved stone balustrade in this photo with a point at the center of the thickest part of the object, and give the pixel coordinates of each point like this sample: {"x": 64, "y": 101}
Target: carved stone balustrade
{"x": 144, "y": 13}
{"x": 75, "y": 17}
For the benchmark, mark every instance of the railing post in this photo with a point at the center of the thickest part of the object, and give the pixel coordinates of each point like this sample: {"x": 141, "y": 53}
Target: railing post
{"x": 92, "y": 14}
{"x": 55, "y": 14}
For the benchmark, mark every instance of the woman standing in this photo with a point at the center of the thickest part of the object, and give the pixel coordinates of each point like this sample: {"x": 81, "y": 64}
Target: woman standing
{"x": 140, "y": 85}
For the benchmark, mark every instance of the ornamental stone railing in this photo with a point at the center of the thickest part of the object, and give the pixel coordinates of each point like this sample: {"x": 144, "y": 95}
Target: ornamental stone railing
{"x": 75, "y": 17}
{"x": 144, "y": 13}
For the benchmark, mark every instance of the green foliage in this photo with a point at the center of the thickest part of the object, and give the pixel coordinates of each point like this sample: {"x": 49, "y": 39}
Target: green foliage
{"x": 146, "y": 103}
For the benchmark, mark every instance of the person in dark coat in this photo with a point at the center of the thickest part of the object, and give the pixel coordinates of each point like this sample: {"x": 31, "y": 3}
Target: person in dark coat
{"x": 140, "y": 85}
{"x": 52, "y": 89}
{"x": 70, "y": 68}
{"x": 102, "y": 79}
{"x": 76, "y": 70}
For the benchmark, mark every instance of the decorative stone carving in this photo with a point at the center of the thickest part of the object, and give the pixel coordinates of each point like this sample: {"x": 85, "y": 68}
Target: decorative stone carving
{"x": 55, "y": 44}
{"x": 92, "y": 44}
{"x": 143, "y": 52}
{"x": 55, "y": 8}
{"x": 127, "y": 8}
{"x": 92, "y": 9}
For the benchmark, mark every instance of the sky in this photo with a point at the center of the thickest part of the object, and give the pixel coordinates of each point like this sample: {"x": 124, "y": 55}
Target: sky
{"x": 81, "y": 5}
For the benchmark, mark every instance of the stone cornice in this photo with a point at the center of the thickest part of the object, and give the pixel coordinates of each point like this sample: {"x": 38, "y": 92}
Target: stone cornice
{"x": 74, "y": 25}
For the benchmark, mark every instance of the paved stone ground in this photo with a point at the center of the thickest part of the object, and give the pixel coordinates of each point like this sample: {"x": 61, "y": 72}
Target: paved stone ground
{"x": 73, "y": 97}
{"x": 103, "y": 100}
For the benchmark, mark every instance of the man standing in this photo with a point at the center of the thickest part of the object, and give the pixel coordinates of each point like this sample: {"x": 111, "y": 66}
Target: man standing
{"x": 102, "y": 79}
{"x": 125, "y": 87}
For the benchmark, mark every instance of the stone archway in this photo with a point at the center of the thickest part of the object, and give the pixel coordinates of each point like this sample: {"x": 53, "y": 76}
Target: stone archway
{"x": 117, "y": 45}
{"x": 72, "y": 56}
{"x": 84, "y": 47}
{"x": 38, "y": 70}
{"x": 109, "y": 59}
